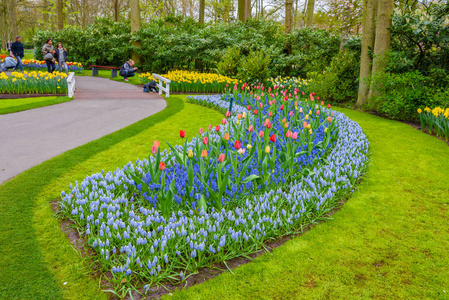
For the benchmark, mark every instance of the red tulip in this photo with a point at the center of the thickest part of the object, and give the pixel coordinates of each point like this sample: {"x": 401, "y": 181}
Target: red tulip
{"x": 255, "y": 111}
{"x": 205, "y": 140}
{"x": 270, "y": 114}
{"x": 182, "y": 133}
{"x": 273, "y": 138}
{"x": 329, "y": 105}
{"x": 217, "y": 128}
{"x": 248, "y": 107}
{"x": 282, "y": 106}
{"x": 313, "y": 93}
{"x": 221, "y": 157}
{"x": 237, "y": 145}
{"x": 162, "y": 166}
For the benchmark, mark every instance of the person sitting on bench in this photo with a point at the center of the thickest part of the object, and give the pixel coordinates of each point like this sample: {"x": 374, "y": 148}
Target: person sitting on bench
{"x": 9, "y": 63}
{"x": 127, "y": 70}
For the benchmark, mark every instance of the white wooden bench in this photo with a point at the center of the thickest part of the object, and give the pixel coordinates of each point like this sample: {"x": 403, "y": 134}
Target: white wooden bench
{"x": 71, "y": 84}
{"x": 159, "y": 84}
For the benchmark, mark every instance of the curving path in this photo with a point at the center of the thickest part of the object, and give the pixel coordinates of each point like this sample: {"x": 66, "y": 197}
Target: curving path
{"x": 101, "y": 106}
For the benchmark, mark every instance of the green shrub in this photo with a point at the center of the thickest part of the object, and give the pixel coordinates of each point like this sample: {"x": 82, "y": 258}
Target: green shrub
{"x": 398, "y": 96}
{"x": 254, "y": 68}
{"x": 339, "y": 81}
{"x": 230, "y": 62}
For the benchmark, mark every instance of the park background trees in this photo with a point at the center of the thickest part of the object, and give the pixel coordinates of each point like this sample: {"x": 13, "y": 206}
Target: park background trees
{"x": 386, "y": 56}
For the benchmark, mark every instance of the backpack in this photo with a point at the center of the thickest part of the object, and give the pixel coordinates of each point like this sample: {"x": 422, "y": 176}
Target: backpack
{"x": 122, "y": 70}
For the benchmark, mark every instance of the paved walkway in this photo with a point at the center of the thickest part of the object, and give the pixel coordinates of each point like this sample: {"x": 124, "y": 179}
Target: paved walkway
{"x": 101, "y": 106}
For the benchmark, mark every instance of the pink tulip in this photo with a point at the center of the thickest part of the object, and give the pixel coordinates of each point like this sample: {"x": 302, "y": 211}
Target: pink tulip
{"x": 205, "y": 140}
{"x": 228, "y": 114}
{"x": 288, "y": 134}
{"x": 305, "y": 124}
{"x": 313, "y": 93}
{"x": 318, "y": 112}
{"x": 270, "y": 114}
{"x": 260, "y": 105}
{"x": 290, "y": 113}
{"x": 261, "y": 133}
{"x": 154, "y": 149}
{"x": 303, "y": 93}
{"x": 210, "y": 127}
{"x": 221, "y": 157}
{"x": 250, "y": 128}
{"x": 201, "y": 130}
{"x": 223, "y": 121}
{"x": 295, "y": 135}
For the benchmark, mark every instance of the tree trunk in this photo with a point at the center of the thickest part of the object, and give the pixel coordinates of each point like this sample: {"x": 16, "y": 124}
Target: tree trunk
{"x": 382, "y": 38}
{"x": 247, "y": 9}
{"x": 369, "y": 23}
{"x": 115, "y": 10}
{"x": 135, "y": 26}
{"x": 45, "y": 14}
{"x": 84, "y": 8}
{"x": 3, "y": 35}
{"x": 60, "y": 14}
{"x": 12, "y": 17}
{"x": 310, "y": 10}
{"x": 288, "y": 15}
{"x": 344, "y": 37}
{"x": 241, "y": 10}
{"x": 202, "y": 9}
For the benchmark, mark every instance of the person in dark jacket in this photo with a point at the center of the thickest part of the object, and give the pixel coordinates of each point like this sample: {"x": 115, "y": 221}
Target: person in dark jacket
{"x": 17, "y": 51}
{"x": 127, "y": 70}
{"x": 61, "y": 57}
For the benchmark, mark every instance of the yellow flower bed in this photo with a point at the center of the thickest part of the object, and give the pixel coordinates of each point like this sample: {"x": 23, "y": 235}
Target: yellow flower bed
{"x": 35, "y": 82}
{"x": 187, "y": 81}
{"x": 436, "y": 120}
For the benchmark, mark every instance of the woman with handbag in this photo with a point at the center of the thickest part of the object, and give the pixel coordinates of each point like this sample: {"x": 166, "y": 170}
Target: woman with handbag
{"x": 48, "y": 51}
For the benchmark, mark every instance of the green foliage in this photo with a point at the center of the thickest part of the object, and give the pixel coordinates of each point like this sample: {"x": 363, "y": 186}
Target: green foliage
{"x": 339, "y": 81}
{"x": 103, "y": 43}
{"x": 421, "y": 38}
{"x": 254, "y": 68}
{"x": 398, "y": 96}
{"x": 312, "y": 50}
{"x": 230, "y": 62}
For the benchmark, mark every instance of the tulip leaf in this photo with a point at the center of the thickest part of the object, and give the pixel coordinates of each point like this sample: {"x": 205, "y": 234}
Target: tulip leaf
{"x": 250, "y": 178}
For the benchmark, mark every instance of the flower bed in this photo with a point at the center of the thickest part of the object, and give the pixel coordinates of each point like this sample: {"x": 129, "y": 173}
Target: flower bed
{"x": 193, "y": 82}
{"x": 272, "y": 167}
{"x": 36, "y": 65}
{"x": 436, "y": 120}
{"x": 33, "y": 83}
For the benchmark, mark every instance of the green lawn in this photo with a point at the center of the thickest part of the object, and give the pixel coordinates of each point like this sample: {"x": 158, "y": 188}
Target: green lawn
{"x": 390, "y": 240}
{"x": 36, "y": 258}
{"x": 8, "y": 106}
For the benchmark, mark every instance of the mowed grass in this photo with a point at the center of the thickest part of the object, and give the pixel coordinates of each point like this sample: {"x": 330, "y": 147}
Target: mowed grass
{"x": 37, "y": 260}
{"x": 8, "y": 106}
{"x": 389, "y": 241}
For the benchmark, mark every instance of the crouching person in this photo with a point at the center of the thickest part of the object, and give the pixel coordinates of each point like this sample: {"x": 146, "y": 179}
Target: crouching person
{"x": 9, "y": 63}
{"x": 127, "y": 70}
